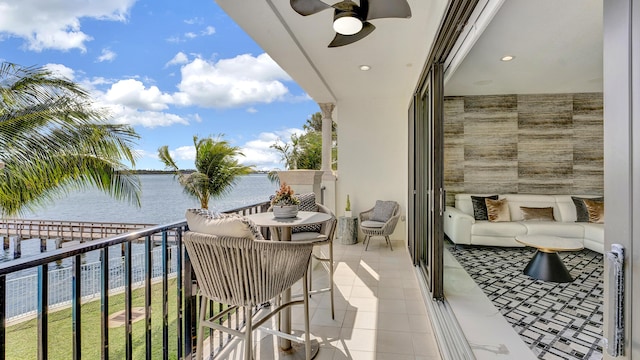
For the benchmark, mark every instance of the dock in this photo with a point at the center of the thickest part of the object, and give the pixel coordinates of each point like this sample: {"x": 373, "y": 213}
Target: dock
{"x": 16, "y": 230}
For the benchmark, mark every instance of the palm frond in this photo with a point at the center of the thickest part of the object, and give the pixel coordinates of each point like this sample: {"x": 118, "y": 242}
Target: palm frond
{"x": 217, "y": 168}
{"x": 53, "y": 139}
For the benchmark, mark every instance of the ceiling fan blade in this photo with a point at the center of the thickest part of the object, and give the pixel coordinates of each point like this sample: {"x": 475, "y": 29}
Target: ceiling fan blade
{"x": 387, "y": 9}
{"x": 341, "y": 40}
{"x": 308, "y": 7}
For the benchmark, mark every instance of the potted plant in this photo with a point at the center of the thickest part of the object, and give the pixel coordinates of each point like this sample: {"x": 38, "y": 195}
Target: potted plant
{"x": 285, "y": 203}
{"x": 347, "y": 208}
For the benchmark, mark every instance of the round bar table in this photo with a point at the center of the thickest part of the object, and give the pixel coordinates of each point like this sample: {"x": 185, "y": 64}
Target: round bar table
{"x": 284, "y": 225}
{"x": 546, "y": 264}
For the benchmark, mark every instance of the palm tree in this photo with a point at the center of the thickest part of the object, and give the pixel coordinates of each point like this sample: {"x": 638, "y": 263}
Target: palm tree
{"x": 54, "y": 140}
{"x": 217, "y": 169}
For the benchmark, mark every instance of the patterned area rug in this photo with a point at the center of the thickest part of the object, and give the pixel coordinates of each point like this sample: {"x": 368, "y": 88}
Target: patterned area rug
{"x": 557, "y": 321}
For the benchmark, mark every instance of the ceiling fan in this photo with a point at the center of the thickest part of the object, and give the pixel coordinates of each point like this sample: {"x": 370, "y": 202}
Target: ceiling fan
{"x": 350, "y": 20}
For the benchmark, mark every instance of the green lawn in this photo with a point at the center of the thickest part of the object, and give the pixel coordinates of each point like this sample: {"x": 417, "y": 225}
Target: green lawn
{"x": 22, "y": 338}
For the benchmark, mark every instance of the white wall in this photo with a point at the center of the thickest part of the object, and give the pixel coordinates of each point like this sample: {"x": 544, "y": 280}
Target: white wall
{"x": 372, "y": 155}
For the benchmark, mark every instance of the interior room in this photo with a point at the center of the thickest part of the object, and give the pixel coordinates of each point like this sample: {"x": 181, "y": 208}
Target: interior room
{"x": 524, "y": 115}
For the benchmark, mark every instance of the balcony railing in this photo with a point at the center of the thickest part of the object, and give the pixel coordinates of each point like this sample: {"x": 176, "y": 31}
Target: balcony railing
{"x": 177, "y": 322}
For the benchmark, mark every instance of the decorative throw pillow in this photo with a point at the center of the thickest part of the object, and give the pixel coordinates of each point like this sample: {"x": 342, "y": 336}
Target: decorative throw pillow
{"x": 595, "y": 210}
{"x": 480, "y": 207}
{"x": 307, "y": 203}
{"x": 229, "y": 225}
{"x": 497, "y": 210}
{"x": 537, "y": 214}
{"x": 383, "y": 210}
{"x": 581, "y": 210}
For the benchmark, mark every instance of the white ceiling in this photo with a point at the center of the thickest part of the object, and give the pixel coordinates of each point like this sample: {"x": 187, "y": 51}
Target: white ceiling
{"x": 557, "y": 47}
{"x": 395, "y": 50}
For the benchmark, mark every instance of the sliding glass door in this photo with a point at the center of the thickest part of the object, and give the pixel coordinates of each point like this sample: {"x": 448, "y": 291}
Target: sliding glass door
{"x": 426, "y": 197}
{"x": 426, "y": 161}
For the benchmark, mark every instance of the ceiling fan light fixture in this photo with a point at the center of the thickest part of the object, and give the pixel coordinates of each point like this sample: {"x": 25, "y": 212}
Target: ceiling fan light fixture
{"x": 346, "y": 22}
{"x": 351, "y": 18}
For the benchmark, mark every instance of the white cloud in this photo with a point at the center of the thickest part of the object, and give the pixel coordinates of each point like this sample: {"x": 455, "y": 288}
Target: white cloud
{"x": 184, "y": 156}
{"x": 195, "y": 20}
{"x": 190, "y": 35}
{"x": 44, "y": 24}
{"x": 238, "y": 81}
{"x": 141, "y": 153}
{"x": 184, "y": 153}
{"x": 107, "y": 55}
{"x": 209, "y": 30}
{"x": 132, "y": 93}
{"x": 148, "y": 119}
{"x": 61, "y": 70}
{"x": 258, "y": 152}
{"x": 98, "y": 80}
{"x": 179, "y": 58}
{"x": 174, "y": 39}
{"x": 130, "y": 102}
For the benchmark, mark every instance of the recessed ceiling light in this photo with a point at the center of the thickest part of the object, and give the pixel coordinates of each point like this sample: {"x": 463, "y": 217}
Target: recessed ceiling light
{"x": 365, "y": 67}
{"x": 507, "y": 58}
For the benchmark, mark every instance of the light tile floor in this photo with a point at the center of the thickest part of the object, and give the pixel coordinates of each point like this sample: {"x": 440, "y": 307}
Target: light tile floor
{"x": 379, "y": 310}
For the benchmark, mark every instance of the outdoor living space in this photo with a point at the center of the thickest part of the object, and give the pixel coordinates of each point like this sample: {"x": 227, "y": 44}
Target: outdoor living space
{"x": 379, "y": 309}
{"x": 381, "y": 313}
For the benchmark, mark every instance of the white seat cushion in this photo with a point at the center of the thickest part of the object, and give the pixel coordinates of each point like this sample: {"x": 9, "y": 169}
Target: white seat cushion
{"x": 593, "y": 232}
{"x": 501, "y": 229}
{"x": 308, "y": 236}
{"x": 555, "y": 228}
{"x": 372, "y": 224}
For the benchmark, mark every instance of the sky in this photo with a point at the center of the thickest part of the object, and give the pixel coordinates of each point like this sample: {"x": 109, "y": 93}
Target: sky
{"x": 171, "y": 69}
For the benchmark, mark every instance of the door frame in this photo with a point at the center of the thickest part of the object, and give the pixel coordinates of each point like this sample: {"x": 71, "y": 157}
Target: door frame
{"x": 421, "y": 202}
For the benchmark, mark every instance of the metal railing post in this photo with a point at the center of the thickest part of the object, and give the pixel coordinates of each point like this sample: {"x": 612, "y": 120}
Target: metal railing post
{"x": 76, "y": 311}
{"x": 104, "y": 304}
{"x": 3, "y": 313}
{"x": 165, "y": 298}
{"x": 189, "y": 307}
{"x": 43, "y": 311}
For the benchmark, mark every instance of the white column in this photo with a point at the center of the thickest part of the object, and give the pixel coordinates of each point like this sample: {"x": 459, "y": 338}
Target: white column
{"x": 327, "y": 109}
{"x": 303, "y": 181}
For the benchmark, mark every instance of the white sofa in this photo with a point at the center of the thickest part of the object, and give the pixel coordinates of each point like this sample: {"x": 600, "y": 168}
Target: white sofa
{"x": 461, "y": 227}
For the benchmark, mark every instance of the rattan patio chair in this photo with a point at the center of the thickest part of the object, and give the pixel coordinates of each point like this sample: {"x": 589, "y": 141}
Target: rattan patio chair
{"x": 321, "y": 236}
{"x": 242, "y": 272}
{"x": 373, "y": 223}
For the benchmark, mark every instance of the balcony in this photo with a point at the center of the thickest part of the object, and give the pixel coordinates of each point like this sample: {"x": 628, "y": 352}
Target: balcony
{"x": 380, "y": 312}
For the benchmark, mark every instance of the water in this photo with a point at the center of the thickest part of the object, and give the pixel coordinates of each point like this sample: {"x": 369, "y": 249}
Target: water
{"x": 163, "y": 201}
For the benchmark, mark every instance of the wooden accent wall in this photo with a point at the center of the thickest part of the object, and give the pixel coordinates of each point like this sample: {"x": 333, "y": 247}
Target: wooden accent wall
{"x": 528, "y": 144}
